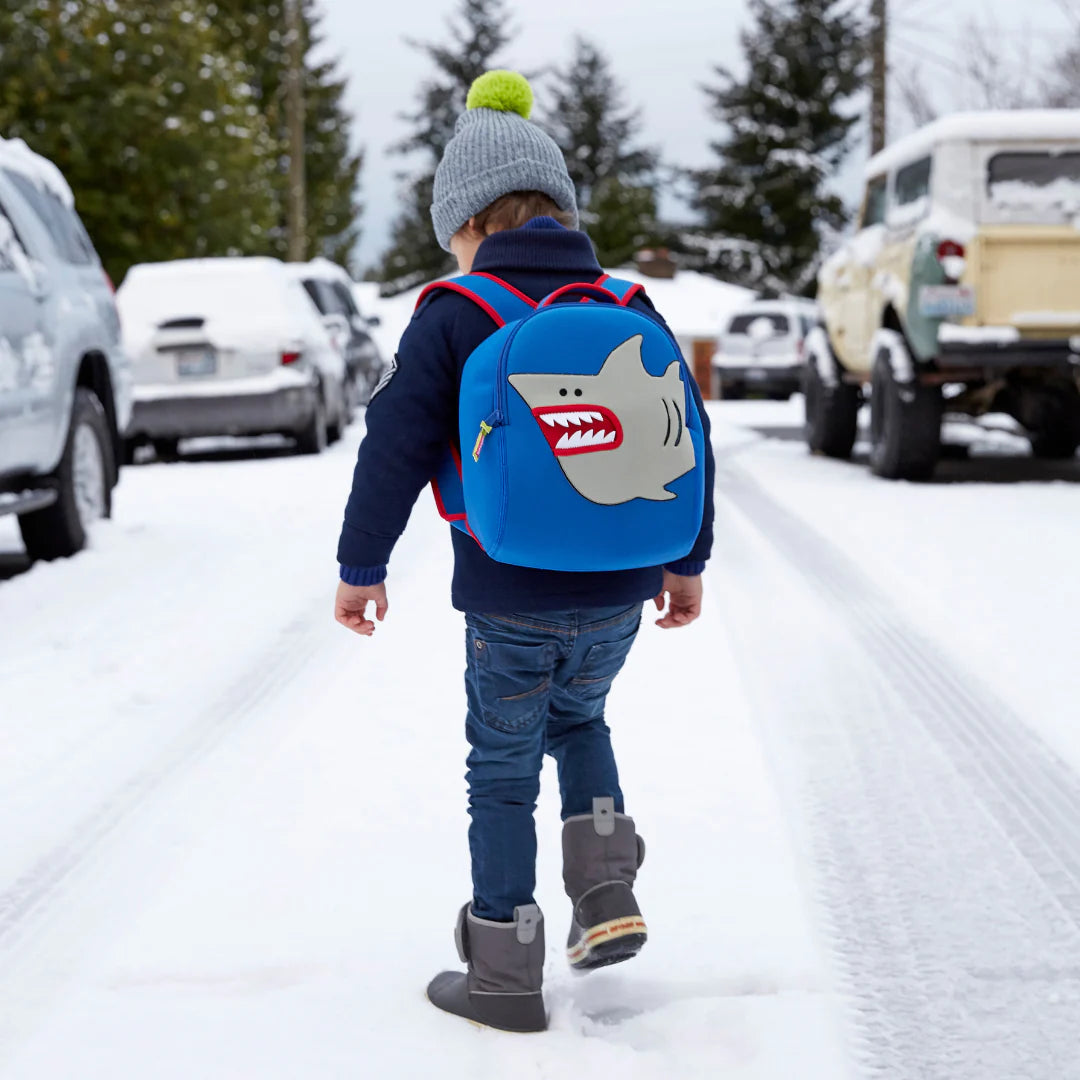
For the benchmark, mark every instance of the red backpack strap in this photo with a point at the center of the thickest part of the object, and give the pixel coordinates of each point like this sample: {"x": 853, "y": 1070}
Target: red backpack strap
{"x": 502, "y": 302}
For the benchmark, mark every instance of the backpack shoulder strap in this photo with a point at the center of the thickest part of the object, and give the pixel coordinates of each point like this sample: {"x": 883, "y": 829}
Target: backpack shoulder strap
{"x": 624, "y": 290}
{"x": 494, "y": 296}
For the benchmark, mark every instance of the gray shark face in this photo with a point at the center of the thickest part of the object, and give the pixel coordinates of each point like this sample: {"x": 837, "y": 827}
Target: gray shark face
{"x": 618, "y": 435}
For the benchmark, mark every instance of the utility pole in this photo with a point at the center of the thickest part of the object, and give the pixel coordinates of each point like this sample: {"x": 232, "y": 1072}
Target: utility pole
{"x": 294, "y": 116}
{"x": 879, "y": 73}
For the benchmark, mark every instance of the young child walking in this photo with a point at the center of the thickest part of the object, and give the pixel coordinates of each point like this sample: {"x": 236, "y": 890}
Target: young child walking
{"x": 543, "y": 645}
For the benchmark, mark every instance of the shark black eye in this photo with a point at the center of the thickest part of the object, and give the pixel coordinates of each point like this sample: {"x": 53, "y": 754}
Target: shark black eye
{"x": 577, "y": 393}
{"x": 563, "y": 392}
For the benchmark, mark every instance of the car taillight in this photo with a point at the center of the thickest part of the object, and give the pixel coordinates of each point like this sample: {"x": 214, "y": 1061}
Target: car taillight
{"x": 109, "y": 282}
{"x": 290, "y": 357}
{"x": 800, "y": 348}
{"x": 953, "y": 259}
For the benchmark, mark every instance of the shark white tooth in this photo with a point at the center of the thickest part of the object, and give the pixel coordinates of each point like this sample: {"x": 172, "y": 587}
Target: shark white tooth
{"x": 561, "y": 419}
{"x": 611, "y": 436}
{"x": 575, "y": 439}
{"x": 548, "y": 419}
{"x": 563, "y": 442}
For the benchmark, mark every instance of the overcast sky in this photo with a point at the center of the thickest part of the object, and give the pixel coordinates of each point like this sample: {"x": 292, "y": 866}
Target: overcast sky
{"x": 661, "y": 50}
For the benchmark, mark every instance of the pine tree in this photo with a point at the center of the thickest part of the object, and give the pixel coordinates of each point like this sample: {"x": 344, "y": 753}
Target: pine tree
{"x": 615, "y": 178}
{"x": 768, "y": 201}
{"x": 479, "y": 33}
{"x": 150, "y": 121}
{"x": 256, "y": 28}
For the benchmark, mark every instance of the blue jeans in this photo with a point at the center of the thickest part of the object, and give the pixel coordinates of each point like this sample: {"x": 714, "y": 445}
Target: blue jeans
{"x": 536, "y": 684}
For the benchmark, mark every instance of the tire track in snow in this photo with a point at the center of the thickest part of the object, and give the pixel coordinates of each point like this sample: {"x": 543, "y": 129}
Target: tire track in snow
{"x": 28, "y": 899}
{"x": 946, "y": 835}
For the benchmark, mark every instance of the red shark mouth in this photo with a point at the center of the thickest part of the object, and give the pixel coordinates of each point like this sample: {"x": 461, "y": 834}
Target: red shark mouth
{"x": 579, "y": 429}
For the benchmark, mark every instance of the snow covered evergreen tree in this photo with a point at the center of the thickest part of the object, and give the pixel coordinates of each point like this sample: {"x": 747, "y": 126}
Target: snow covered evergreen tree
{"x": 152, "y": 123}
{"x": 788, "y": 126}
{"x": 256, "y": 30}
{"x": 615, "y": 178}
{"x": 480, "y": 31}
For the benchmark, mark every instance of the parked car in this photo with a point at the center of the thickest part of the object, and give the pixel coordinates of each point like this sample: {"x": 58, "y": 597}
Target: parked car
{"x": 65, "y": 385}
{"x": 331, "y": 291}
{"x": 761, "y": 349}
{"x": 228, "y": 346}
{"x": 959, "y": 292}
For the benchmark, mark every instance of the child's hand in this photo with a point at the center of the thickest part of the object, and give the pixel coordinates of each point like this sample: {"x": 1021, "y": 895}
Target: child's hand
{"x": 684, "y": 594}
{"x": 350, "y": 606}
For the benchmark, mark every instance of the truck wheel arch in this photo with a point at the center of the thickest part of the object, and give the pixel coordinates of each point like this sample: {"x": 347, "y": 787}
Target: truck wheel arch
{"x": 94, "y": 376}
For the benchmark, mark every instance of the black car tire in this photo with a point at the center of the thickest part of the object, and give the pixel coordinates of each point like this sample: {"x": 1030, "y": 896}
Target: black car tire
{"x": 1058, "y": 436}
{"x": 313, "y": 437}
{"x": 59, "y": 531}
{"x": 832, "y": 414}
{"x": 905, "y": 425}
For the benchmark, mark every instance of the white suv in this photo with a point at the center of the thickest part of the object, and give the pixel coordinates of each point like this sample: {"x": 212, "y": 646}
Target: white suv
{"x": 762, "y": 349}
{"x": 65, "y": 384}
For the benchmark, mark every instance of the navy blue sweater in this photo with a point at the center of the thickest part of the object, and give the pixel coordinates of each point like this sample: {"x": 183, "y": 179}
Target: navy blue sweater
{"x": 411, "y": 422}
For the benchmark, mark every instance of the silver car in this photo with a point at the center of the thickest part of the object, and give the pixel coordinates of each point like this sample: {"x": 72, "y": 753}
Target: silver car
{"x": 229, "y": 346}
{"x": 761, "y": 349}
{"x": 65, "y": 384}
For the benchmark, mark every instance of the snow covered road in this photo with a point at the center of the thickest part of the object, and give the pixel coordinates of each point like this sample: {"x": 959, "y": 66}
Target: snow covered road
{"x": 234, "y": 834}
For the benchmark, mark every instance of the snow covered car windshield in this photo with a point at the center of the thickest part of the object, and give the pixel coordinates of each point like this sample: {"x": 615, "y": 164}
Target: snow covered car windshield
{"x": 1032, "y": 186}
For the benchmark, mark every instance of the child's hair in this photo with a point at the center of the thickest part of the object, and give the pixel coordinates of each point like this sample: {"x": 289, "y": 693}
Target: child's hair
{"x": 514, "y": 210}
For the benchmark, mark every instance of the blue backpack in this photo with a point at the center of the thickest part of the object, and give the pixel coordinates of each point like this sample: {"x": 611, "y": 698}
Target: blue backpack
{"x": 581, "y": 442}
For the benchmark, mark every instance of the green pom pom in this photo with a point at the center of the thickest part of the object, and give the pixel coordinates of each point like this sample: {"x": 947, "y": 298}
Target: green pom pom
{"x": 506, "y": 91}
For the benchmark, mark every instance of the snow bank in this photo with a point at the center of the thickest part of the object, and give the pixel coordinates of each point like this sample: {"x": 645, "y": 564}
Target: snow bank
{"x": 15, "y": 154}
{"x": 1016, "y": 125}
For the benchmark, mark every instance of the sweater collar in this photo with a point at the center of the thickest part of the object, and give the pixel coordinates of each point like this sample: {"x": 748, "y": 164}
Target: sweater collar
{"x": 540, "y": 244}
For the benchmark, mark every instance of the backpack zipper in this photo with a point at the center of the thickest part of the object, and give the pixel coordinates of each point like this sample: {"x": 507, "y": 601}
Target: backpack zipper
{"x": 499, "y": 418}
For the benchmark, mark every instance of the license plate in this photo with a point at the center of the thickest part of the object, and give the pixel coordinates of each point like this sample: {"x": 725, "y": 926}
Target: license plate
{"x": 194, "y": 362}
{"x": 947, "y": 301}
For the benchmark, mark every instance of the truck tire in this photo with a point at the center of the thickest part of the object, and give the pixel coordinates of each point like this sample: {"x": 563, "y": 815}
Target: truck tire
{"x": 905, "y": 425}
{"x": 313, "y": 437}
{"x": 167, "y": 450}
{"x": 1057, "y": 437}
{"x": 82, "y": 482}
{"x": 832, "y": 414}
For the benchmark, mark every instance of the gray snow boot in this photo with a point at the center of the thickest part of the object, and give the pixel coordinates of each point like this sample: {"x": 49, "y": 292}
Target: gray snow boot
{"x": 506, "y": 971}
{"x": 601, "y": 856}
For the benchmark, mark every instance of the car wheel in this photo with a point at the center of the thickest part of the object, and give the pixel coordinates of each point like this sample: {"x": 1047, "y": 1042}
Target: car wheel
{"x": 82, "y": 482}
{"x": 314, "y": 436}
{"x": 1057, "y": 436}
{"x": 905, "y": 425}
{"x": 832, "y": 414}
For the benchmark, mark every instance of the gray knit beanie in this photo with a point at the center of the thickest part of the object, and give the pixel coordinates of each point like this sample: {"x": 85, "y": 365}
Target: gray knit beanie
{"x": 495, "y": 151}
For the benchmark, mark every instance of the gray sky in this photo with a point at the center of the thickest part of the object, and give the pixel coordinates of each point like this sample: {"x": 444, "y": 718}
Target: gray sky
{"x": 661, "y": 50}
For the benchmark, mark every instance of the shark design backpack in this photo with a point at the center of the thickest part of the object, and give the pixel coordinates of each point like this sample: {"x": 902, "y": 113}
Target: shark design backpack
{"x": 581, "y": 443}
